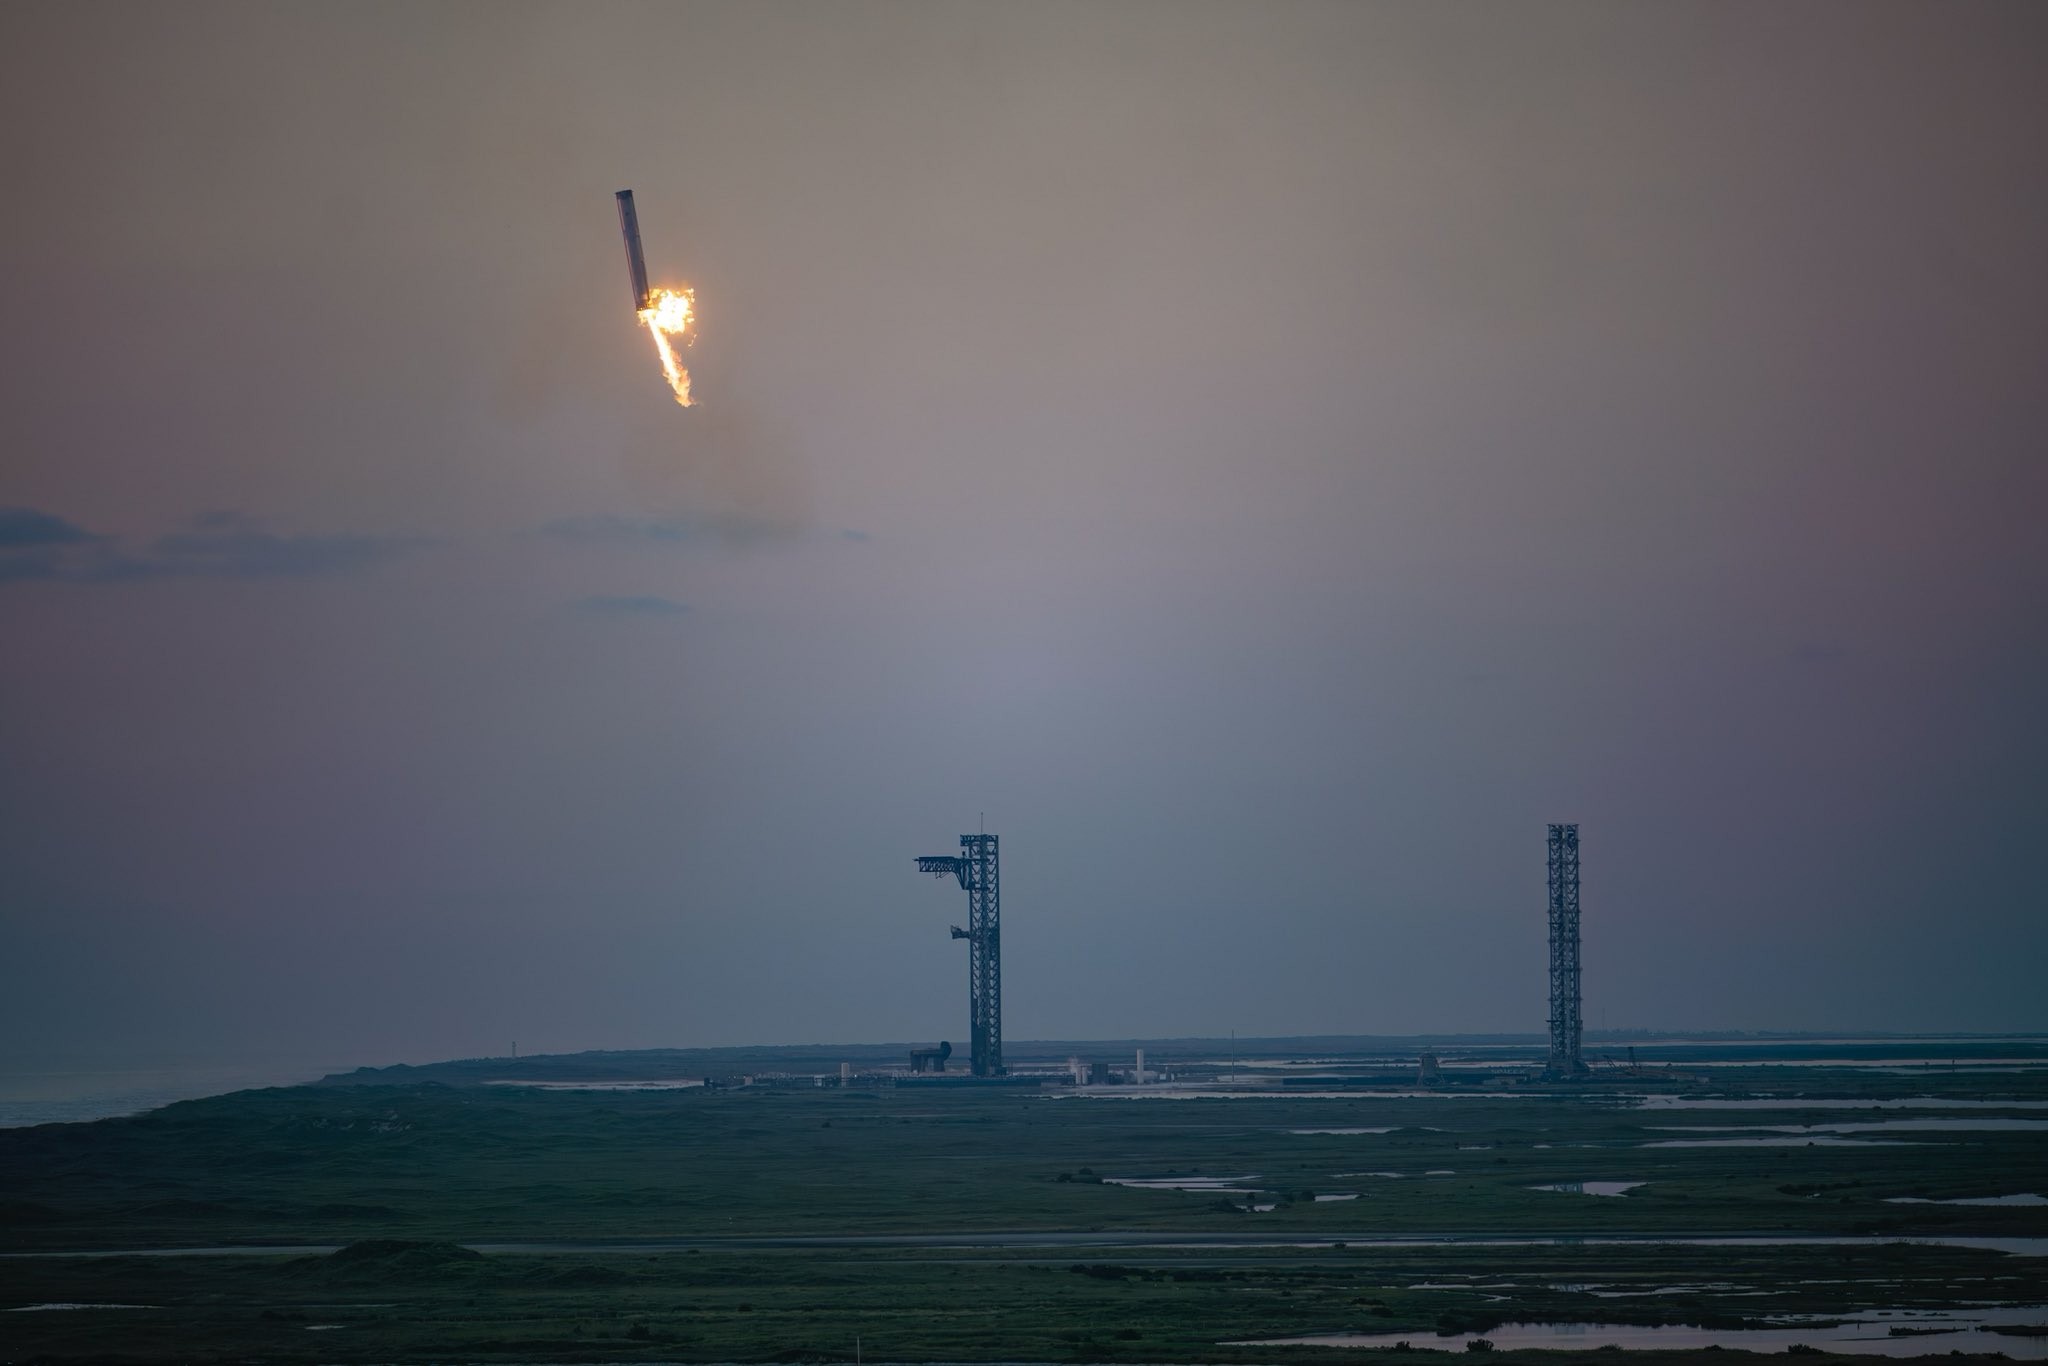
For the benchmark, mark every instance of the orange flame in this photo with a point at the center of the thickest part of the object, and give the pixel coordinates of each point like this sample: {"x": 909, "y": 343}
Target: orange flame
{"x": 669, "y": 313}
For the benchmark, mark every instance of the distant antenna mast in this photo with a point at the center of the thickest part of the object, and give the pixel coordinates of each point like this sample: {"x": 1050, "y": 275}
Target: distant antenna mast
{"x": 1566, "y": 1030}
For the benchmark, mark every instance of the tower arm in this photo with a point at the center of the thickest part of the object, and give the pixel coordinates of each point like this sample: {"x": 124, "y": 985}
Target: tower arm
{"x": 938, "y": 865}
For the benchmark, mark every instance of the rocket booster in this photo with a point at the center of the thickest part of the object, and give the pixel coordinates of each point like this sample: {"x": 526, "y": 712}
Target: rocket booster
{"x": 665, "y": 313}
{"x": 629, "y": 226}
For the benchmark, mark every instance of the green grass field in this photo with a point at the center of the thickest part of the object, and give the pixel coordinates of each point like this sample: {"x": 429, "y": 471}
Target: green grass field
{"x": 433, "y": 1304}
{"x": 714, "y": 1173}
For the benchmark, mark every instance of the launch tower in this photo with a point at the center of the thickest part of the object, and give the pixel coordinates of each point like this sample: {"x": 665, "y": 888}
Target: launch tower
{"x": 979, "y": 876}
{"x": 1565, "y": 1029}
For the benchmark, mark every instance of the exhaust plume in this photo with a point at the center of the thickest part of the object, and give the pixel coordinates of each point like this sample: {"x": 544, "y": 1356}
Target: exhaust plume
{"x": 669, "y": 313}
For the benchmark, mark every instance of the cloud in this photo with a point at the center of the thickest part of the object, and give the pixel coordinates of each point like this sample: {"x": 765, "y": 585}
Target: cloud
{"x": 608, "y": 529}
{"x": 632, "y": 606}
{"x": 725, "y": 529}
{"x": 37, "y": 545}
{"x": 26, "y": 527}
{"x": 230, "y": 545}
{"x": 717, "y": 529}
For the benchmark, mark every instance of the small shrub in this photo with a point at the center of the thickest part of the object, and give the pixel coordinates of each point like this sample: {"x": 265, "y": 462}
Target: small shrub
{"x": 1102, "y": 1271}
{"x": 1479, "y": 1345}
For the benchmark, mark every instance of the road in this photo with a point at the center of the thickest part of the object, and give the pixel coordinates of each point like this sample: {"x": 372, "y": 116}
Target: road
{"x": 2023, "y": 1247}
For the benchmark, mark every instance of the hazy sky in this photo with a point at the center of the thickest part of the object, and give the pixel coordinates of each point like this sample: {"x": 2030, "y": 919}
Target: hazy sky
{"x": 1270, "y": 458}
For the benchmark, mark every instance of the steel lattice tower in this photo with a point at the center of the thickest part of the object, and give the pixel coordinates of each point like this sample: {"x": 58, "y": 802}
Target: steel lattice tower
{"x": 1565, "y": 1028}
{"x": 980, "y": 875}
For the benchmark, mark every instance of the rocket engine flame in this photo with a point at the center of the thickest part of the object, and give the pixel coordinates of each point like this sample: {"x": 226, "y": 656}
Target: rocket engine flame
{"x": 668, "y": 314}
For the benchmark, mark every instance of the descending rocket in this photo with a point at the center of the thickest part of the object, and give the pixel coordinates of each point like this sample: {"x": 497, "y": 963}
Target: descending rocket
{"x": 667, "y": 312}
{"x": 629, "y": 225}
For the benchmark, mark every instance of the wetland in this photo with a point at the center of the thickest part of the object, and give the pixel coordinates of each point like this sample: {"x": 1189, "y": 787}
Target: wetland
{"x": 432, "y": 1221}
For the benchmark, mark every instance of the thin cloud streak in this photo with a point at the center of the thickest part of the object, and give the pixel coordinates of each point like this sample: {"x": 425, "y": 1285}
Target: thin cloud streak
{"x": 727, "y": 530}
{"x": 39, "y": 546}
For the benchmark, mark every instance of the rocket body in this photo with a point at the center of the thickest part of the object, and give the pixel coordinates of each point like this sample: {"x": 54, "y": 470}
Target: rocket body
{"x": 629, "y": 227}
{"x": 665, "y": 313}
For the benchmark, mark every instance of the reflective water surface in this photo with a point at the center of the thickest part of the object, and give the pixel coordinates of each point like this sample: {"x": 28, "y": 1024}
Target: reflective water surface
{"x": 1894, "y": 1333}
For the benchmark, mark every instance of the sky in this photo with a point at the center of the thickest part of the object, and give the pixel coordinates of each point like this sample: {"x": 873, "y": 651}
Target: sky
{"x": 1264, "y": 460}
